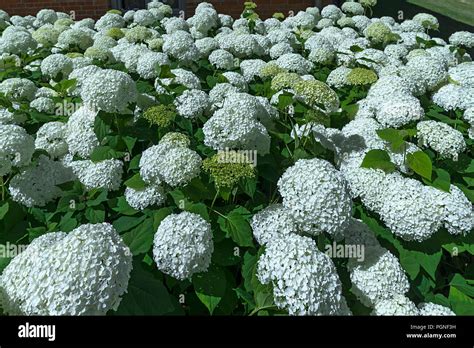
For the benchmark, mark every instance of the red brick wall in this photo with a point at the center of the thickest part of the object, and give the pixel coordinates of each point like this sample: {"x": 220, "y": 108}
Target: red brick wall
{"x": 265, "y": 8}
{"x": 82, "y": 8}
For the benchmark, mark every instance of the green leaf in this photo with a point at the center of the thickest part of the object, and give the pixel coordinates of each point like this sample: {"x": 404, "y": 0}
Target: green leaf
{"x": 4, "y": 210}
{"x": 226, "y": 253}
{"x": 461, "y": 284}
{"x": 125, "y": 223}
{"x": 392, "y": 136}
{"x": 159, "y": 215}
{"x": 443, "y": 180}
{"x": 460, "y": 302}
{"x": 285, "y": 100}
{"x": 140, "y": 239}
{"x": 136, "y": 182}
{"x": 378, "y": 159}
{"x": 210, "y": 287}
{"x": 102, "y": 153}
{"x": 146, "y": 295}
{"x": 95, "y": 216}
{"x": 420, "y": 163}
{"x": 236, "y": 226}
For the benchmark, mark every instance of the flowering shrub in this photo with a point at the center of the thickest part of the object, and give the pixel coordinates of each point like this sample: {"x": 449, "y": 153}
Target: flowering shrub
{"x": 319, "y": 164}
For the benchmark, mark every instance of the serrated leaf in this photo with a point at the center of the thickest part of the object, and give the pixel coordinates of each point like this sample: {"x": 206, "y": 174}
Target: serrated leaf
{"x": 237, "y": 227}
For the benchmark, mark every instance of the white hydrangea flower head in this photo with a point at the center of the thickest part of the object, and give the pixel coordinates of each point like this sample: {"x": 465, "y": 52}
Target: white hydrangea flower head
{"x": 165, "y": 162}
{"x": 144, "y": 18}
{"x": 141, "y": 199}
{"x": 192, "y": 103}
{"x": 316, "y": 194}
{"x": 221, "y": 59}
{"x": 183, "y": 77}
{"x": 219, "y": 92}
{"x": 106, "y": 174}
{"x": 16, "y": 41}
{"x": 45, "y": 16}
{"x": 180, "y": 45}
{"x": 338, "y": 77}
{"x": 433, "y": 309}
{"x": 280, "y": 49}
{"x": 358, "y": 233}
{"x": 147, "y": 64}
{"x": 463, "y": 73}
{"x": 459, "y": 212}
{"x": 44, "y": 104}
{"x": 399, "y": 305}
{"x": 248, "y": 105}
{"x": 331, "y": 12}
{"x": 441, "y": 137}
{"x": 183, "y": 245}
{"x": 109, "y": 90}
{"x": 304, "y": 279}
{"x": 250, "y": 68}
{"x": 18, "y": 88}
{"x": 271, "y": 223}
{"x": 352, "y": 8}
{"x": 51, "y": 137}
{"x": 84, "y": 272}
{"x": 236, "y": 79}
{"x": 206, "y": 45}
{"x": 462, "y": 38}
{"x": 110, "y": 20}
{"x": 75, "y": 38}
{"x": 54, "y": 65}
{"x": 226, "y": 129}
{"x": 452, "y": 97}
{"x": 36, "y": 185}
{"x": 410, "y": 209}
{"x": 80, "y": 135}
{"x": 430, "y": 70}
{"x": 400, "y": 111}
{"x": 16, "y": 147}
{"x": 378, "y": 277}
{"x": 294, "y": 62}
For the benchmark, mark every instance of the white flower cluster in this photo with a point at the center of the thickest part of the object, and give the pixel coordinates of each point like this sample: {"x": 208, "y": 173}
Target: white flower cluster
{"x": 36, "y": 185}
{"x": 193, "y": 103}
{"x": 84, "y": 272}
{"x": 109, "y": 91}
{"x": 304, "y": 279}
{"x": 442, "y": 138}
{"x": 316, "y": 195}
{"x": 170, "y": 162}
{"x": 56, "y": 64}
{"x": 183, "y": 245}
{"x": 106, "y": 174}
{"x": 271, "y": 223}
{"x": 51, "y": 137}
{"x": 239, "y": 125}
{"x": 16, "y": 148}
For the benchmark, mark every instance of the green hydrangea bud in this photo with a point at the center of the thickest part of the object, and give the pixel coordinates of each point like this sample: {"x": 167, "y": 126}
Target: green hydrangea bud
{"x": 228, "y": 168}
{"x": 361, "y": 77}
{"x": 161, "y": 115}
{"x": 379, "y": 33}
{"x": 317, "y": 94}
{"x": 115, "y": 33}
{"x": 138, "y": 34}
{"x": 176, "y": 139}
{"x": 96, "y": 53}
{"x": 155, "y": 44}
{"x": 270, "y": 70}
{"x": 285, "y": 80}
{"x": 46, "y": 36}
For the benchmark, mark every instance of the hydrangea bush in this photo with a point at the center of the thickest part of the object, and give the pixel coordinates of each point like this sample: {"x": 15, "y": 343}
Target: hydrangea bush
{"x": 319, "y": 164}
